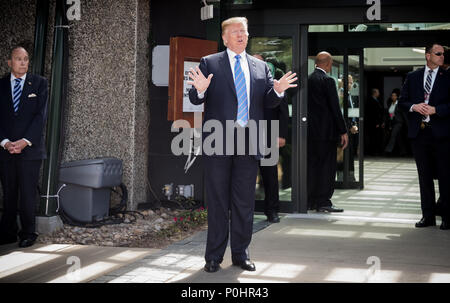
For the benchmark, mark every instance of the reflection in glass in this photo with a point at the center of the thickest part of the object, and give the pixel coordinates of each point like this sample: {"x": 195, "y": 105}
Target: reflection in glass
{"x": 277, "y": 52}
{"x": 379, "y": 27}
{"x": 387, "y": 27}
{"x": 326, "y": 28}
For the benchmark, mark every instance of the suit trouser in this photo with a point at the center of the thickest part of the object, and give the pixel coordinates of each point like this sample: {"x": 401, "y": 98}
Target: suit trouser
{"x": 396, "y": 137}
{"x": 19, "y": 181}
{"x": 321, "y": 172}
{"x": 269, "y": 176}
{"x": 230, "y": 195}
{"x": 426, "y": 150}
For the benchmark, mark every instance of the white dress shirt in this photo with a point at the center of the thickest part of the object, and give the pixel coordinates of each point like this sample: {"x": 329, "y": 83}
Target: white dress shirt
{"x": 433, "y": 77}
{"x": 321, "y": 69}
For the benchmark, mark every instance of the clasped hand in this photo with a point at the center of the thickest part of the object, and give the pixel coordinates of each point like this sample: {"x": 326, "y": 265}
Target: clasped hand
{"x": 16, "y": 147}
{"x": 424, "y": 109}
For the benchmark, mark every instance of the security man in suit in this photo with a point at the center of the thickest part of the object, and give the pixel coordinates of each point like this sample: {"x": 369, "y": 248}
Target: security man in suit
{"x": 326, "y": 127}
{"x": 234, "y": 87}
{"x": 425, "y": 96}
{"x": 23, "y": 106}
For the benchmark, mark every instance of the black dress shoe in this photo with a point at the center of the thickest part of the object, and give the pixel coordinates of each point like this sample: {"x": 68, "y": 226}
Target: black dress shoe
{"x": 445, "y": 225}
{"x": 425, "y": 222}
{"x": 211, "y": 266}
{"x": 245, "y": 265}
{"x": 273, "y": 218}
{"x": 27, "y": 242}
{"x": 329, "y": 209}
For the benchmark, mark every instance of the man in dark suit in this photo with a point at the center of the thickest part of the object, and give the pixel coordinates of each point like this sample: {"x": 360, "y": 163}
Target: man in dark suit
{"x": 425, "y": 96}
{"x": 237, "y": 88}
{"x": 269, "y": 173}
{"x": 374, "y": 115}
{"x": 326, "y": 127}
{"x": 23, "y": 105}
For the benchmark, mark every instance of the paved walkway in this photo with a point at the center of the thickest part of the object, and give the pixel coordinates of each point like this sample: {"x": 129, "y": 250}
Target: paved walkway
{"x": 374, "y": 240}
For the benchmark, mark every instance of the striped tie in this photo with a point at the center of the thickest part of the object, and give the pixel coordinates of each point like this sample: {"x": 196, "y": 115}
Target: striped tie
{"x": 428, "y": 83}
{"x": 16, "y": 94}
{"x": 241, "y": 91}
{"x": 427, "y": 92}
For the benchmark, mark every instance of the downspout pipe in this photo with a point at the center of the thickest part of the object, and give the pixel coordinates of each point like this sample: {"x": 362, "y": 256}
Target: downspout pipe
{"x": 40, "y": 37}
{"x": 58, "y": 89}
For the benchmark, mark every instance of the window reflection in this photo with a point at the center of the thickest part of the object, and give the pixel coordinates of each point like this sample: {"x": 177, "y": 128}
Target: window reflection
{"x": 379, "y": 27}
{"x": 277, "y": 52}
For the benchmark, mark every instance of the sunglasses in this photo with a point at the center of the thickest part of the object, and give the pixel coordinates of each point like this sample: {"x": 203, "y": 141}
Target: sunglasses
{"x": 439, "y": 54}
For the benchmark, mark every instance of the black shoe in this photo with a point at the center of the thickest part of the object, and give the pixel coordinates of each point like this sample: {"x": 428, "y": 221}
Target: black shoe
{"x": 27, "y": 242}
{"x": 445, "y": 225}
{"x": 245, "y": 265}
{"x": 211, "y": 266}
{"x": 329, "y": 209}
{"x": 273, "y": 218}
{"x": 8, "y": 240}
{"x": 425, "y": 222}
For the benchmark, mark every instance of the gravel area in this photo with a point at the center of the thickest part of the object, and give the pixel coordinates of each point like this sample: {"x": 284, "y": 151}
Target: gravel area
{"x": 147, "y": 229}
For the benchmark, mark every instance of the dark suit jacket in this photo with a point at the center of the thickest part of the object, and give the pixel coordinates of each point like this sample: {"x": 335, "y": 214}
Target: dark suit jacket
{"x": 30, "y": 119}
{"x": 374, "y": 113}
{"x": 325, "y": 120}
{"x": 280, "y": 113}
{"x": 220, "y": 98}
{"x": 413, "y": 92}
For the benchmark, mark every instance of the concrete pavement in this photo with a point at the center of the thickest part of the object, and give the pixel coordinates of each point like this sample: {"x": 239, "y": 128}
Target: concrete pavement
{"x": 374, "y": 240}
{"x": 309, "y": 250}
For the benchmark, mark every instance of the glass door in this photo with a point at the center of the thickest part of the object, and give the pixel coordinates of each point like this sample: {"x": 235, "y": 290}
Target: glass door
{"x": 276, "y": 45}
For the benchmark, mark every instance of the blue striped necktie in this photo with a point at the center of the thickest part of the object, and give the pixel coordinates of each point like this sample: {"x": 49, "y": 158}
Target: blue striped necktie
{"x": 16, "y": 94}
{"x": 241, "y": 92}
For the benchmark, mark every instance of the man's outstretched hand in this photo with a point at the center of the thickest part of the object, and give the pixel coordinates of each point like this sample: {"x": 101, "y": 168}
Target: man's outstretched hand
{"x": 199, "y": 81}
{"x": 285, "y": 82}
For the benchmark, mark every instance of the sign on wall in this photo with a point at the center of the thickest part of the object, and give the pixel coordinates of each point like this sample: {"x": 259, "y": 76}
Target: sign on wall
{"x": 184, "y": 54}
{"x": 188, "y": 107}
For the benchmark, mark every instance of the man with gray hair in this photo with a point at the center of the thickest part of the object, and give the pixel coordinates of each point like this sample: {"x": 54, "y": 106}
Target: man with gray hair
{"x": 234, "y": 87}
{"x": 23, "y": 108}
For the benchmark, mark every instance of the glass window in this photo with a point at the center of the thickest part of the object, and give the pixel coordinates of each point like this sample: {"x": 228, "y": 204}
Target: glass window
{"x": 379, "y": 27}
{"x": 386, "y": 27}
{"x": 326, "y": 28}
{"x": 242, "y": 1}
{"x": 273, "y": 48}
{"x": 277, "y": 52}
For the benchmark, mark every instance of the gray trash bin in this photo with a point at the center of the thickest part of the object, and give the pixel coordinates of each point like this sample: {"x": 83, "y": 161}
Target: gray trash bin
{"x": 87, "y": 194}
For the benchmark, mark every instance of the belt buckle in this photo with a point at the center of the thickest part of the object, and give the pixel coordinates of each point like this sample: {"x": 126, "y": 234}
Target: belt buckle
{"x": 422, "y": 125}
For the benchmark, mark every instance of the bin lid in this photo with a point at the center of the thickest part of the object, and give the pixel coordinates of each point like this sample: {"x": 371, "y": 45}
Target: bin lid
{"x": 91, "y": 162}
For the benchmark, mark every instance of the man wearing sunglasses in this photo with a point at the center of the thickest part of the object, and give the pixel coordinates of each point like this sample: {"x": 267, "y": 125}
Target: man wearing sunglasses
{"x": 426, "y": 97}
